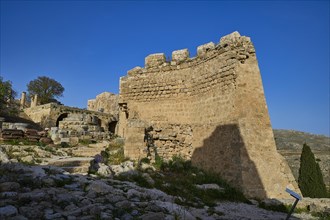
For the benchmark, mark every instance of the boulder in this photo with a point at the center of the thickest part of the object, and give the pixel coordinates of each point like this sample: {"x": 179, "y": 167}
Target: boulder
{"x": 99, "y": 186}
{"x": 3, "y": 157}
{"x": 9, "y": 186}
{"x": 46, "y": 140}
{"x": 104, "y": 170}
{"x": 8, "y": 211}
{"x": 27, "y": 159}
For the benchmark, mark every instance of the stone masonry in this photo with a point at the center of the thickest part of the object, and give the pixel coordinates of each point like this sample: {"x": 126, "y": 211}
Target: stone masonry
{"x": 105, "y": 102}
{"x": 210, "y": 109}
{"x": 49, "y": 115}
{"x": 80, "y": 123}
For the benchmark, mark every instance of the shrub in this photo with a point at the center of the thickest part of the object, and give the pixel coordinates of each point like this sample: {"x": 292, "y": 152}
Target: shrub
{"x": 12, "y": 142}
{"x": 159, "y": 162}
{"x": 277, "y": 208}
{"x": 85, "y": 142}
{"x": 180, "y": 178}
{"x": 65, "y": 145}
{"x": 145, "y": 160}
{"x": 113, "y": 157}
{"x": 310, "y": 179}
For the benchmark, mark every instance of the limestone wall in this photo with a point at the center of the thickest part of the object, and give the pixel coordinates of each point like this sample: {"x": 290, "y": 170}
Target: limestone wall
{"x": 40, "y": 114}
{"x": 210, "y": 109}
{"x": 105, "y": 102}
{"x": 80, "y": 123}
{"x": 49, "y": 115}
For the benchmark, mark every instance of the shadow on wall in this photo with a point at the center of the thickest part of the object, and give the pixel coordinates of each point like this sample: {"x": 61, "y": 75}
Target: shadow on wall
{"x": 225, "y": 153}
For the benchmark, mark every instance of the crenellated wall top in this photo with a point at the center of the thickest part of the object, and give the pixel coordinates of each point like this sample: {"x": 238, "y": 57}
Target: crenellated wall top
{"x": 181, "y": 58}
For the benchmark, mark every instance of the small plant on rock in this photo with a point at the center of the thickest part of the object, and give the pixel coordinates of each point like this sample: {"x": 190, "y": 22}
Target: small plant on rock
{"x": 179, "y": 178}
{"x": 114, "y": 154}
{"x": 145, "y": 160}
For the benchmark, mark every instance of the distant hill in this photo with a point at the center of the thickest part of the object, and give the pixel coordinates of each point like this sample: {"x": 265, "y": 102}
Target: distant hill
{"x": 289, "y": 144}
{"x": 294, "y": 140}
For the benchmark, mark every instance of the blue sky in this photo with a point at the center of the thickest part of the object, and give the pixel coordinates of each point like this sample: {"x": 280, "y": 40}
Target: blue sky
{"x": 88, "y": 45}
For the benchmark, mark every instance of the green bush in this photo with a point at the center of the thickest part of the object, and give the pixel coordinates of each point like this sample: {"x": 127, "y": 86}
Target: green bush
{"x": 179, "y": 178}
{"x": 145, "y": 160}
{"x": 159, "y": 162}
{"x": 12, "y": 142}
{"x": 65, "y": 145}
{"x": 137, "y": 178}
{"x": 85, "y": 142}
{"x": 114, "y": 157}
{"x": 310, "y": 179}
{"x": 276, "y": 208}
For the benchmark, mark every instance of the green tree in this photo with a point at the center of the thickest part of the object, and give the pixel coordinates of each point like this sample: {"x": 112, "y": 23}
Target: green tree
{"x": 310, "y": 179}
{"x": 46, "y": 89}
{"x": 7, "y": 94}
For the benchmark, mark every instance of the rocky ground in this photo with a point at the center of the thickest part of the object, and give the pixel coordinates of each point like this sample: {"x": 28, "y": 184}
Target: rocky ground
{"x": 36, "y": 189}
{"x": 43, "y": 192}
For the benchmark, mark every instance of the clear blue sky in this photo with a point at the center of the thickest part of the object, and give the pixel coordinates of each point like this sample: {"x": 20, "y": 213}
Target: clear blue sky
{"x": 88, "y": 45}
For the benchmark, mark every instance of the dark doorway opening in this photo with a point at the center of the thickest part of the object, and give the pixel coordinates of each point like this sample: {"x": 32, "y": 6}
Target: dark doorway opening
{"x": 112, "y": 126}
{"x": 97, "y": 121}
{"x": 60, "y": 118}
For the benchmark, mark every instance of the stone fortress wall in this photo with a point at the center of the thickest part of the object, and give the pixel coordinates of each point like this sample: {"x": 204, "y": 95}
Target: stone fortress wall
{"x": 106, "y": 102}
{"x": 210, "y": 109}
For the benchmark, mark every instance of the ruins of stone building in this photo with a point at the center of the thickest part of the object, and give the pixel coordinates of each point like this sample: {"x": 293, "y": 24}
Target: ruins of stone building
{"x": 80, "y": 123}
{"x": 24, "y": 103}
{"x": 53, "y": 115}
{"x": 106, "y": 102}
{"x": 210, "y": 109}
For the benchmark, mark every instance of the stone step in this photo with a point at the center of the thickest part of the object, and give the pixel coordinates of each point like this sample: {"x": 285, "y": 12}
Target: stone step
{"x": 80, "y": 169}
{"x": 71, "y": 162}
{"x": 86, "y": 152}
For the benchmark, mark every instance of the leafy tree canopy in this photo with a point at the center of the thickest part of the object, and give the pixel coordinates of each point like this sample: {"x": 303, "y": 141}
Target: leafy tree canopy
{"x": 46, "y": 89}
{"x": 7, "y": 94}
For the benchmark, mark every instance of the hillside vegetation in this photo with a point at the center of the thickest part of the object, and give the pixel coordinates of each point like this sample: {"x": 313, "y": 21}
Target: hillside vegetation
{"x": 290, "y": 143}
{"x": 294, "y": 140}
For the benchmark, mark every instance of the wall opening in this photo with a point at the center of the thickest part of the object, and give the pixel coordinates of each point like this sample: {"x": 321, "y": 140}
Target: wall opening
{"x": 97, "y": 121}
{"x": 112, "y": 126}
{"x": 60, "y": 118}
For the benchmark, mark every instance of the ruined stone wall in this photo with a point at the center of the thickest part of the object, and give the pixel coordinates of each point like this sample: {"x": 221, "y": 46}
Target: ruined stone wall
{"x": 210, "y": 109}
{"x": 105, "y": 102}
{"x": 48, "y": 115}
{"x": 40, "y": 114}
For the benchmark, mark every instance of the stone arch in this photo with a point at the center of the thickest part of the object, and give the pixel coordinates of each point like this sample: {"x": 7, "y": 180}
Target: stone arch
{"x": 60, "y": 118}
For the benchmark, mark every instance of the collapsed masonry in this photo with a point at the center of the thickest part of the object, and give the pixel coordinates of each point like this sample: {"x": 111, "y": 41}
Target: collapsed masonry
{"x": 106, "y": 102}
{"x": 210, "y": 109}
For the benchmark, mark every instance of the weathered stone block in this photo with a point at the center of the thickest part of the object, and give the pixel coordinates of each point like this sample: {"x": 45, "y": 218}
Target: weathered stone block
{"x": 180, "y": 55}
{"x": 65, "y": 140}
{"x": 202, "y": 49}
{"x": 155, "y": 60}
{"x": 135, "y": 71}
{"x": 225, "y": 40}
